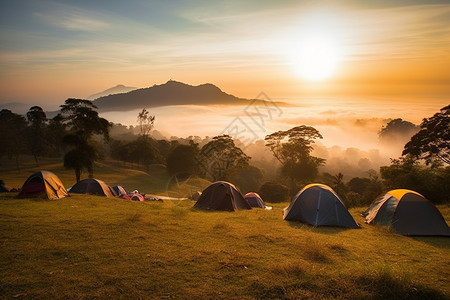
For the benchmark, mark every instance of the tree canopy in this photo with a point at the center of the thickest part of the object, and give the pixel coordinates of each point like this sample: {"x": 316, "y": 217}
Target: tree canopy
{"x": 397, "y": 131}
{"x": 220, "y": 157}
{"x": 37, "y": 131}
{"x": 292, "y": 148}
{"x": 433, "y": 139}
{"x": 83, "y": 121}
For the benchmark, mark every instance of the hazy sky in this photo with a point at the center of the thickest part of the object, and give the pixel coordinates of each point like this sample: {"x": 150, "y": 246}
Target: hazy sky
{"x": 52, "y": 50}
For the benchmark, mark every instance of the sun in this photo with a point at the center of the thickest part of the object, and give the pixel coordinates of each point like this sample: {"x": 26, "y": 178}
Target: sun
{"x": 315, "y": 57}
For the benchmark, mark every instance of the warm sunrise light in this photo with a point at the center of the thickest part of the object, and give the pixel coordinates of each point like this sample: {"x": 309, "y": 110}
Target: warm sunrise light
{"x": 315, "y": 57}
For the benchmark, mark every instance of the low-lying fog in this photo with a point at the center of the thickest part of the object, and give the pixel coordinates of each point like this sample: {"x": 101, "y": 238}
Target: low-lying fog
{"x": 349, "y": 127}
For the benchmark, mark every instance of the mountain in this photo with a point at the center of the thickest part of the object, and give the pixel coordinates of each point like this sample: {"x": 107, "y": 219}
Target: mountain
{"x": 118, "y": 89}
{"x": 169, "y": 93}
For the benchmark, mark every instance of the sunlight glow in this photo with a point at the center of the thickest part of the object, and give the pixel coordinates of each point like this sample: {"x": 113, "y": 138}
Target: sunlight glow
{"x": 315, "y": 57}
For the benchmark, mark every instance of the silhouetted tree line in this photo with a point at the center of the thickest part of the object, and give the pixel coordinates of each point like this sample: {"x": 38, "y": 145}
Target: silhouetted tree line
{"x": 79, "y": 136}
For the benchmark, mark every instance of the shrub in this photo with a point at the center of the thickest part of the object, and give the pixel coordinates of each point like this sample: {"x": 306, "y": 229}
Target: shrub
{"x": 274, "y": 192}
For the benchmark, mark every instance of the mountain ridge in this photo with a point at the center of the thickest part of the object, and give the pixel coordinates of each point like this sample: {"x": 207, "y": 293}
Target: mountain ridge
{"x": 118, "y": 89}
{"x": 169, "y": 93}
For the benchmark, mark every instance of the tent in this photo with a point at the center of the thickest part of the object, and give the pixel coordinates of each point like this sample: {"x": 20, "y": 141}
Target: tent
{"x": 136, "y": 197}
{"x": 94, "y": 187}
{"x": 43, "y": 184}
{"x": 221, "y": 195}
{"x": 318, "y": 205}
{"x": 408, "y": 213}
{"x": 254, "y": 200}
{"x": 119, "y": 190}
{"x": 196, "y": 195}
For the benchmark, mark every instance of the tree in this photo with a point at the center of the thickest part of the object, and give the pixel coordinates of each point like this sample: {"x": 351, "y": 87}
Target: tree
{"x": 143, "y": 152}
{"x": 12, "y": 127}
{"x": 397, "y": 131}
{"x": 292, "y": 148}
{"x": 83, "y": 122}
{"x": 433, "y": 139}
{"x": 56, "y": 130}
{"x": 363, "y": 190}
{"x": 431, "y": 181}
{"x": 146, "y": 122}
{"x": 220, "y": 157}
{"x": 183, "y": 159}
{"x": 248, "y": 179}
{"x": 36, "y": 131}
{"x": 274, "y": 192}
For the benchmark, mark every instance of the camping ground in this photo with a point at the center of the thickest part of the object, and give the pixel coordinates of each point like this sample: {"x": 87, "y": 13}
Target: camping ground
{"x": 95, "y": 247}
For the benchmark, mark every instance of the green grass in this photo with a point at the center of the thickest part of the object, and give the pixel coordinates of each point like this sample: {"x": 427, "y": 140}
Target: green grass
{"x": 87, "y": 247}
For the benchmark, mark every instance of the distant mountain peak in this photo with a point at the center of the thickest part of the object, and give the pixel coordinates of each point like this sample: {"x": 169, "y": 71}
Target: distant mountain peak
{"x": 118, "y": 89}
{"x": 170, "y": 93}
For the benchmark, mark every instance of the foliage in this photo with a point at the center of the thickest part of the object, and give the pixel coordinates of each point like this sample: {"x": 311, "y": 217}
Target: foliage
{"x": 292, "y": 148}
{"x": 83, "y": 122}
{"x": 433, "y": 139}
{"x": 220, "y": 158}
{"x": 56, "y": 130}
{"x": 183, "y": 159}
{"x": 397, "y": 130}
{"x": 248, "y": 179}
{"x": 143, "y": 152}
{"x": 36, "y": 133}
{"x": 12, "y": 127}
{"x": 433, "y": 182}
{"x": 274, "y": 192}
{"x": 363, "y": 190}
{"x": 146, "y": 122}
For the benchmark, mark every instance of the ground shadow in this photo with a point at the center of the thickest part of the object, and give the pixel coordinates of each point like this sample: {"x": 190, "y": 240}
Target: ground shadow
{"x": 436, "y": 241}
{"x": 328, "y": 230}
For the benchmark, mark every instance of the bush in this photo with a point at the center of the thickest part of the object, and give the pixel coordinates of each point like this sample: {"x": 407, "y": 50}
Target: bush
{"x": 274, "y": 192}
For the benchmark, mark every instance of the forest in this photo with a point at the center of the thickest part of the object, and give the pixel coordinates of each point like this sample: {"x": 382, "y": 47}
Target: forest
{"x": 80, "y": 137}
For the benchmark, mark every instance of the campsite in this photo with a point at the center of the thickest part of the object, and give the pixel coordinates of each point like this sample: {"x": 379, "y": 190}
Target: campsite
{"x": 87, "y": 246}
{"x": 225, "y": 150}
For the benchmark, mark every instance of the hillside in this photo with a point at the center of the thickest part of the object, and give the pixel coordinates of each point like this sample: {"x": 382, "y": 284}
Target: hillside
{"x": 118, "y": 89}
{"x": 90, "y": 247}
{"x": 169, "y": 93}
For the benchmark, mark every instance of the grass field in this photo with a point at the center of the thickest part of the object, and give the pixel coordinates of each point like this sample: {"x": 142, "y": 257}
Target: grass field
{"x": 88, "y": 247}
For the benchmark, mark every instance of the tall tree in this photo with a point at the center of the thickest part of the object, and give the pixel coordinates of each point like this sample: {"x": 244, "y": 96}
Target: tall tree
{"x": 433, "y": 139}
{"x": 83, "y": 122}
{"x": 12, "y": 127}
{"x": 292, "y": 148}
{"x": 183, "y": 159}
{"x": 397, "y": 132}
{"x": 146, "y": 122}
{"x": 220, "y": 157}
{"x": 56, "y": 130}
{"x": 36, "y": 131}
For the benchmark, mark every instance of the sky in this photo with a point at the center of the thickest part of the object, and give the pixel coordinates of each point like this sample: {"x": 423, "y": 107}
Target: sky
{"x": 53, "y": 50}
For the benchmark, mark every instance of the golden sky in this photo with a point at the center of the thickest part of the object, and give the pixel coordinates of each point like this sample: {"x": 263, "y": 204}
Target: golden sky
{"x": 53, "y": 50}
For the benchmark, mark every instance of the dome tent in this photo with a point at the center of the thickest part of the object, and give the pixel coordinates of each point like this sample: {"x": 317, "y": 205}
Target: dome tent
{"x": 318, "y": 205}
{"x": 408, "y": 213}
{"x": 221, "y": 195}
{"x": 94, "y": 187}
{"x": 254, "y": 200}
{"x": 43, "y": 183}
{"x": 119, "y": 190}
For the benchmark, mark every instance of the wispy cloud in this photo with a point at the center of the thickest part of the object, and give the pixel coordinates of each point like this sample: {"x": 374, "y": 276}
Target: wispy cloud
{"x": 74, "y": 19}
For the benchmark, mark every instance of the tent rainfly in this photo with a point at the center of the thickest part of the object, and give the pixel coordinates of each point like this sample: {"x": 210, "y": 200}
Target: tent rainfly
{"x": 408, "y": 213}
{"x": 221, "y": 195}
{"x": 318, "y": 205}
{"x": 43, "y": 184}
{"x": 254, "y": 200}
{"x": 94, "y": 187}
